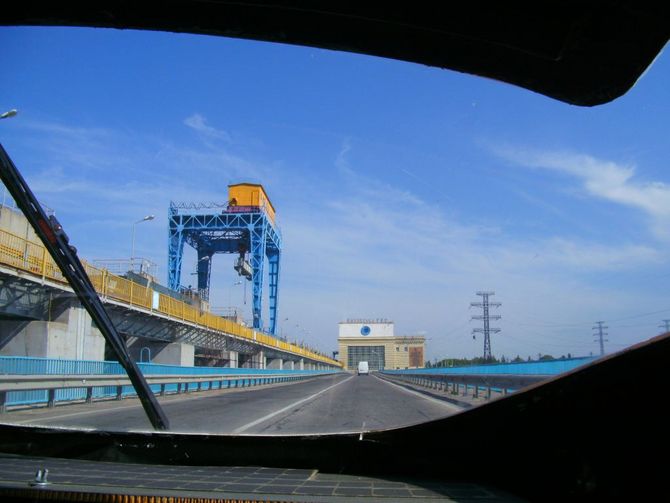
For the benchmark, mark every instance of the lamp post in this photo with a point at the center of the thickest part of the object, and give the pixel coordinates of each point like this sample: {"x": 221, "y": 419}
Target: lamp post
{"x": 132, "y": 249}
{"x": 203, "y": 259}
{"x": 7, "y": 115}
{"x": 281, "y": 333}
{"x": 230, "y": 296}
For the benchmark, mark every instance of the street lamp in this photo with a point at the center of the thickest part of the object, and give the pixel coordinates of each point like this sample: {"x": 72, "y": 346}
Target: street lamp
{"x": 230, "y": 296}
{"x": 132, "y": 249}
{"x": 281, "y": 332}
{"x": 203, "y": 259}
{"x": 9, "y": 113}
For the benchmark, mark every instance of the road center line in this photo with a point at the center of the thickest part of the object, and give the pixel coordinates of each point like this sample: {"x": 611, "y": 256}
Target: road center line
{"x": 426, "y": 397}
{"x": 244, "y": 428}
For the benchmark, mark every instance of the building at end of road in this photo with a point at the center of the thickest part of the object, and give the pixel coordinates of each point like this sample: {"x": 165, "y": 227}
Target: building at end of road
{"x": 374, "y": 341}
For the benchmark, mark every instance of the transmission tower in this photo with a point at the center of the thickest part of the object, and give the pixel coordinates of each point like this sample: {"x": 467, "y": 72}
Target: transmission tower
{"x": 486, "y": 317}
{"x": 665, "y": 326}
{"x": 600, "y": 327}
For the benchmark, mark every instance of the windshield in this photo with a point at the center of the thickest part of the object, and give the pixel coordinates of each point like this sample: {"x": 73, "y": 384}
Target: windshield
{"x": 294, "y": 240}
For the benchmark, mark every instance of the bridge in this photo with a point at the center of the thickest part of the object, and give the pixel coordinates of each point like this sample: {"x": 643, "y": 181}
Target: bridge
{"x": 42, "y": 317}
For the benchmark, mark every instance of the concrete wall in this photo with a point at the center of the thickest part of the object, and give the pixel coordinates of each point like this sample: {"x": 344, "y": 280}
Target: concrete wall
{"x": 12, "y": 220}
{"x": 31, "y": 340}
{"x": 275, "y": 363}
{"x": 252, "y": 361}
{"x": 233, "y": 359}
{"x": 167, "y": 353}
{"x": 70, "y": 336}
{"x": 176, "y": 353}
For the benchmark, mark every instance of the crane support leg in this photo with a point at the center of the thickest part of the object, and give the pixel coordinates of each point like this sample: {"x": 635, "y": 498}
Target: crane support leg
{"x": 273, "y": 263}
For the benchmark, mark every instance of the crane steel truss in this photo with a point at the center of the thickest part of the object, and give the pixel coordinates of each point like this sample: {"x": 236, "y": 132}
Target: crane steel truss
{"x": 211, "y": 229}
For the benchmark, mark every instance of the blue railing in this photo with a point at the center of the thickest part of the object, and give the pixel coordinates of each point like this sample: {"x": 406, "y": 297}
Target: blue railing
{"x": 549, "y": 367}
{"x": 497, "y": 377}
{"x": 23, "y": 365}
{"x": 27, "y": 365}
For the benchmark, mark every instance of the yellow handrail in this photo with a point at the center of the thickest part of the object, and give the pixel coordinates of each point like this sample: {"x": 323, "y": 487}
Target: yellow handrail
{"x": 33, "y": 258}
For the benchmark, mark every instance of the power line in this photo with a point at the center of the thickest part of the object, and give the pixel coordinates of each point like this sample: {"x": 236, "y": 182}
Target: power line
{"x": 551, "y": 324}
{"x": 485, "y": 317}
{"x": 642, "y": 315}
{"x": 542, "y": 343}
{"x": 454, "y": 330}
{"x": 643, "y": 325}
{"x": 600, "y": 327}
{"x": 575, "y": 329}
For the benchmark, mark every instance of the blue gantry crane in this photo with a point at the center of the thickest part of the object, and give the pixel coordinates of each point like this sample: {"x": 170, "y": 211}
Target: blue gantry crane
{"x": 245, "y": 225}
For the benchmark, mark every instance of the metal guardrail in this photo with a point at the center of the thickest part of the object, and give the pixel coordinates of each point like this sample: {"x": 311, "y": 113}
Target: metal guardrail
{"x": 33, "y": 258}
{"x": 466, "y": 384}
{"x": 536, "y": 367}
{"x": 162, "y": 384}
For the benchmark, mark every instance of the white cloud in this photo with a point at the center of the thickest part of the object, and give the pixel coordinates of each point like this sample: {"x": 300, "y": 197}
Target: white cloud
{"x": 83, "y": 148}
{"x": 585, "y": 257}
{"x": 342, "y": 161}
{"x": 605, "y": 180}
{"x": 199, "y": 124}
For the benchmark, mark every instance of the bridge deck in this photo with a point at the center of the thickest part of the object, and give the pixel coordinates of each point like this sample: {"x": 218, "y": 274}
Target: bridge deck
{"x": 30, "y": 261}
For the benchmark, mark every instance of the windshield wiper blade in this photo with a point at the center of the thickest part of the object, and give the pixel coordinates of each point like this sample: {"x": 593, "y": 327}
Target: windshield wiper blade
{"x": 56, "y": 242}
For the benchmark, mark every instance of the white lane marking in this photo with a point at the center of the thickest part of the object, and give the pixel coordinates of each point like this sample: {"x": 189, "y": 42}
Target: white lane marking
{"x": 167, "y": 400}
{"x": 109, "y": 409}
{"x": 82, "y": 413}
{"x": 426, "y": 397}
{"x": 244, "y": 428}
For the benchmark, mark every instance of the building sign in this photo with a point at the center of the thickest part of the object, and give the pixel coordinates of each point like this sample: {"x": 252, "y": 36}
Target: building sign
{"x": 366, "y": 328}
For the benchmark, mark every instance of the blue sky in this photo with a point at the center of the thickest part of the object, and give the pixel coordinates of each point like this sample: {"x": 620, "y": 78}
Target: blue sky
{"x": 401, "y": 190}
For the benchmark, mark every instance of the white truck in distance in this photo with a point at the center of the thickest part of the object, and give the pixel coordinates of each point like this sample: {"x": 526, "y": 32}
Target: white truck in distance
{"x": 363, "y": 368}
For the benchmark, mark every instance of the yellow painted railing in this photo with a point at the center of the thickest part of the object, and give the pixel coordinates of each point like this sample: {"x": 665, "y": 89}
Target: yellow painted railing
{"x": 32, "y": 257}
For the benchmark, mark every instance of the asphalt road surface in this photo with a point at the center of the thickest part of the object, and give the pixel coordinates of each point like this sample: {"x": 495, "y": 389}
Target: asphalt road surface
{"x": 327, "y": 404}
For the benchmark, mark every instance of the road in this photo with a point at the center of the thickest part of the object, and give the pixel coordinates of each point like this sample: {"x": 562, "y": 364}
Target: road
{"x": 327, "y": 404}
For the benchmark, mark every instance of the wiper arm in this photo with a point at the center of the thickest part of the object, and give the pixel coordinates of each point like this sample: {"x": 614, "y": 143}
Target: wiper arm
{"x": 56, "y": 242}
